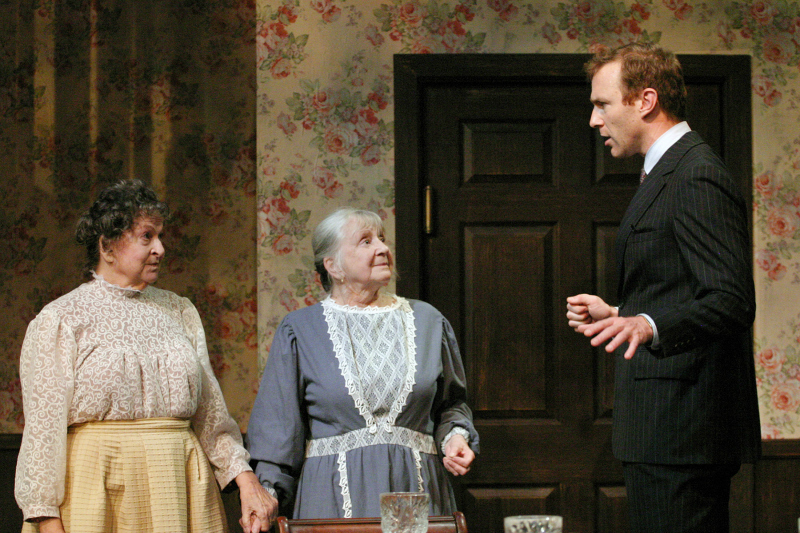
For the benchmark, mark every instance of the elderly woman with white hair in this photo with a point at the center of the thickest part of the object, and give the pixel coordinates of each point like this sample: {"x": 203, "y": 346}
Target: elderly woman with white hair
{"x": 363, "y": 391}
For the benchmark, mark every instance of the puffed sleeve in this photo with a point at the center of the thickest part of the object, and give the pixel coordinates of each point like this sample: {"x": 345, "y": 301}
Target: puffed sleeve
{"x": 47, "y": 376}
{"x": 277, "y": 431}
{"x": 452, "y": 414}
{"x": 218, "y": 433}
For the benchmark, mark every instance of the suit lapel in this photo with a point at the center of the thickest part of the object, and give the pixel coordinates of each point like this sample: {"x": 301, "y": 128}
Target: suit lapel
{"x": 648, "y": 191}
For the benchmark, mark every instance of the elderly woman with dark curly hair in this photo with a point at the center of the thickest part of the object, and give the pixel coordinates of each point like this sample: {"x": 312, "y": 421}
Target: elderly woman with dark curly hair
{"x": 122, "y": 410}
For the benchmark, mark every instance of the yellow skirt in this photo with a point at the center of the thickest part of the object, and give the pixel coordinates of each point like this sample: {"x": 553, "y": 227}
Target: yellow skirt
{"x": 138, "y": 476}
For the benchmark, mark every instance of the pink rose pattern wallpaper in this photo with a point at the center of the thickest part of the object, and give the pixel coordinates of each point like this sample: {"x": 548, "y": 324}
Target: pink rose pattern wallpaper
{"x": 325, "y": 110}
{"x": 94, "y": 92}
{"x": 255, "y": 118}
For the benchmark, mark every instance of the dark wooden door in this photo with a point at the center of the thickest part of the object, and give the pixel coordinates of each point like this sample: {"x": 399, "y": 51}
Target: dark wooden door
{"x": 524, "y": 207}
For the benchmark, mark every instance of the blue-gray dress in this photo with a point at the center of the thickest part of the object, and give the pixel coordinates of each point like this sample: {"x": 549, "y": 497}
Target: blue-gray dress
{"x": 355, "y": 402}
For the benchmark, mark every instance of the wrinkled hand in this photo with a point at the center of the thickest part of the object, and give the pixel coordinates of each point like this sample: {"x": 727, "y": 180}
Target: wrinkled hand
{"x": 51, "y": 525}
{"x": 584, "y": 309}
{"x": 259, "y": 507}
{"x": 458, "y": 456}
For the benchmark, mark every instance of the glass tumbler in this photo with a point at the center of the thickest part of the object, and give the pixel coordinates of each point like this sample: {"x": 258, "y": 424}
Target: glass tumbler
{"x": 404, "y": 512}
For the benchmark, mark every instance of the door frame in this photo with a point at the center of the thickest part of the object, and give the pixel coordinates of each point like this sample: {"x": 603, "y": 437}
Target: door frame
{"x": 414, "y": 72}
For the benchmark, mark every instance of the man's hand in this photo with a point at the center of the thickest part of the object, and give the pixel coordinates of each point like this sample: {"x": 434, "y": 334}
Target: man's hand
{"x": 584, "y": 309}
{"x": 594, "y": 318}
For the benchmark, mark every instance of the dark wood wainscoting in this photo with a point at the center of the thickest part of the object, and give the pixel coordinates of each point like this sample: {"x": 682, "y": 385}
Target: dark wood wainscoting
{"x": 10, "y": 515}
{"x": 776, "y": 487}
{"x": 766, "y": 495}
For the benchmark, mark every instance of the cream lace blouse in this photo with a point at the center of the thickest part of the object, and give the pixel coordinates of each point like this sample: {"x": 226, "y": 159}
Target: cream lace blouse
{"x": 102, "y": 352}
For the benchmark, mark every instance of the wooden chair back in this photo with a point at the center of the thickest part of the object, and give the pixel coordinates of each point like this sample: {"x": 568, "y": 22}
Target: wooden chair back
{"x": 454, "y": 523}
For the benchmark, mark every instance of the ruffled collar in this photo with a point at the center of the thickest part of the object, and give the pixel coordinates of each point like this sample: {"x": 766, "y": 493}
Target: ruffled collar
{"x": 127, "y": 292}
{"x": 392, "y": 302}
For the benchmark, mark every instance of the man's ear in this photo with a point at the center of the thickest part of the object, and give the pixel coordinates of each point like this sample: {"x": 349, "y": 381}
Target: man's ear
{"x": 649, "y": 101}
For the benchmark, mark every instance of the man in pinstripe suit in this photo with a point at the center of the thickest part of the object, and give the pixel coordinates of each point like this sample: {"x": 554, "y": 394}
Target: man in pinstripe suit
{"x": 685, "y": 408}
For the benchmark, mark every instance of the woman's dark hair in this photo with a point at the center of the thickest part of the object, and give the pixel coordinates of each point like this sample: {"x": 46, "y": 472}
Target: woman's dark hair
{"x": 115, "y": 211}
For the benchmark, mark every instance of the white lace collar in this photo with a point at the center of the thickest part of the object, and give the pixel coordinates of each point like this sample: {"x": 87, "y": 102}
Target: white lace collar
{"x": 396, "y": 302}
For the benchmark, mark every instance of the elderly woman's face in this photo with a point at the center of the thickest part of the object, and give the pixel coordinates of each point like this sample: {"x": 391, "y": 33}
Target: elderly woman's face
{"x": 137, "y": 254}
{"x": 364, "y": 257}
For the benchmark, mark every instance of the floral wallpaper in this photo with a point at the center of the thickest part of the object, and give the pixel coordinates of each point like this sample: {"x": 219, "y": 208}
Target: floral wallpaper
{"x": 256, "y": 118}
{"x": 324, "y": 129}
{"x": 93, "y": 92}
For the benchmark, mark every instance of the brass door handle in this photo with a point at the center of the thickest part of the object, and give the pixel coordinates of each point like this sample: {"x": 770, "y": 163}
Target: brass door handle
{"x": 428, "y": 210}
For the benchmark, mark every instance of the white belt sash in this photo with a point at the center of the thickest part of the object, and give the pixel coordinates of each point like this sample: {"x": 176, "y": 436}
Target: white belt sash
{"x": 360, "y": 438}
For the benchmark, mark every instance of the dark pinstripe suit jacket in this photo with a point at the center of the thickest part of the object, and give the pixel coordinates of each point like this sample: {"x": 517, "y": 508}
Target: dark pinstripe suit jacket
{"x": 683, "y": 252}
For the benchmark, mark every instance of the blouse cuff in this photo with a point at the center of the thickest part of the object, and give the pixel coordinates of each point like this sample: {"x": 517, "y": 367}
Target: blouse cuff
{"x": 40, "y": 511}
{"x": 455, "y": 431}
{"x": 224, "y": 478}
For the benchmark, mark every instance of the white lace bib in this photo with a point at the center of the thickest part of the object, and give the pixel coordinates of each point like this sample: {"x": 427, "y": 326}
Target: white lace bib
{"x": 377, "y": 357}
{"x": 378, "y": 360}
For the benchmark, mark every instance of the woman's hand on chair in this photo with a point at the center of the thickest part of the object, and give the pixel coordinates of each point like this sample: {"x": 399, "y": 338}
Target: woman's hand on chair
{"x": 259, "y": 507}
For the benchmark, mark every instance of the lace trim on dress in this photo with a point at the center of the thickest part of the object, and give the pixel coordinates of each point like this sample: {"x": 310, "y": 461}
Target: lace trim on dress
{"x": 372, "y": 356}
{"x": 336, "y": 317}
{"x": 361, "y": 438}
{"x": 458, "y": 430}
{"x": 337, "y": 335}
{"x": 411, "y": 352}
{"x": 395, "y": 302}
{"x": 418, "y": 461}
{"x": 339, "y": 445}
{"x": 347, "y": 505}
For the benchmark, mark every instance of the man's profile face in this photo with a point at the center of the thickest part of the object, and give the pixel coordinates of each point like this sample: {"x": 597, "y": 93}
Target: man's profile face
{"x": 618, "y": 122}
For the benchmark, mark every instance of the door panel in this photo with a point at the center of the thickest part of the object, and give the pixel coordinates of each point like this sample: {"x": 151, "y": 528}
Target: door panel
{"x": 527, "y": 202}
{"x": 496, "y": 258}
